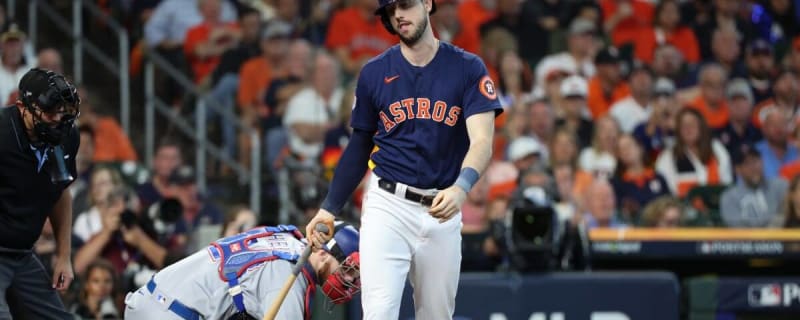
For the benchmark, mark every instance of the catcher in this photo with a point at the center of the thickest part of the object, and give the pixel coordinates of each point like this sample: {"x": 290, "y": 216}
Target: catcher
{"x": 239, "y": 276}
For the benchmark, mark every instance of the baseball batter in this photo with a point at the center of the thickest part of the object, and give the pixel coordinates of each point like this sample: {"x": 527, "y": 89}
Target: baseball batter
{"x": 422, "y": 108}
{"x": 238, "y": 277}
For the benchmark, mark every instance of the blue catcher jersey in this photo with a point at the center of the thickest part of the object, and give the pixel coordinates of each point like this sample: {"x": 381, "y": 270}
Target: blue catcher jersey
{"x": 419, "y": 114}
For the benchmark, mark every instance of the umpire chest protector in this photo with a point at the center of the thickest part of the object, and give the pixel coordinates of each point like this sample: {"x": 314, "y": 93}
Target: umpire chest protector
{"x": 239, "y": 253}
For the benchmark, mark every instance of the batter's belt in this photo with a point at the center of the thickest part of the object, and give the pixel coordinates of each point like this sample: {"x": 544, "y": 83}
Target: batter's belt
{"x": 411, "y": 195}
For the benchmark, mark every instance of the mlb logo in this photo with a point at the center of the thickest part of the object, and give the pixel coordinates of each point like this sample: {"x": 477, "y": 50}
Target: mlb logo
{"x": 161, "y": 298}
{"x": 236, "y": 247}
{"x": 764, "y": 295}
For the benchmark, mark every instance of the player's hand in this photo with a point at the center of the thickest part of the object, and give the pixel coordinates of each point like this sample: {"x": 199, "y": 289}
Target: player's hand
{"x": 447, "y": 203}
{"x": 62, "y": 273}
{"x": 318, "y": 239}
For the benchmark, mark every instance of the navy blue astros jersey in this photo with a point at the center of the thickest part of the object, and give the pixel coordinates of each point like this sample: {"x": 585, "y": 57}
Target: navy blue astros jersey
{"x": 419, "y": 114}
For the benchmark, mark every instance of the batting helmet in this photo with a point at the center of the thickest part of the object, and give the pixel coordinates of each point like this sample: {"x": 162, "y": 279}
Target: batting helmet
{"x": 381, "y": 11}
{"x": 344, "y": 241}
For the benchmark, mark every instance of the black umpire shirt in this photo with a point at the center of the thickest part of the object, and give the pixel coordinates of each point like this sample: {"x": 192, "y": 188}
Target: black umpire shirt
{"x": 27, "y": 196}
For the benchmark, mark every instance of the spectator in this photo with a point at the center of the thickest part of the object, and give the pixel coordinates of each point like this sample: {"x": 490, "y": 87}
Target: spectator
{"x": 90, "y": 222}
{"x": 130, "y": 245}
{"x": 760, "y": 63}
{"x": 297, "y": 71}
{"x": 238, "y": 219}
{"x": 14, "y": 64}
{"x": 785, "y": 99}
{"x": 668, "y": 63}
{"x": 723, "y": 16}
{"x": 473, "y": 13}
{"x": 110, "y": 142}
{"x": 206, "y": 41}
{"x": 600, "y": 207}
{"x": 623, "y": 19}
{"x": 635, "y": 183}
{"x": 50, "y": 59}
{"x": 257, "y": 72}
{"x": 710, "y": 102}
{"x": 97, "y": 296}
{"x": 166, "y": 29}
{"x": 232, "y": 60}
{"x": 356, "y": 34}
{"x": 663, "y": 212}
{"x": 494, "y": 42}
{"x": 225, "y": 77}
{"x": 667, "y": 28}
{"x": 636, "y": 107}
{"x": 776, "y": 150}
{"x": 753, "y": 202}
{"x": 790, "y": 215}
{"x": 514, "y": 82}
{"x": 783, "y": 16}
{"x": 167, "y": 158}
{"x": 607, "y": 86}
{"x": 726, "y": 52}
{"x": 696, "y": 159}
{"x": 449, "y": 28}
{"x": 740, "y": 129}
{"x": 792, "y": 57}
{"x": 541, "y": 124}
{"x": 311, "y": 112}
{"x": 564, "y": 157}
{"x": 548, "y": 82}
{"x": 581, "y": 46}
{"x": 598, "y": 159}
{"x": 525, "y": 152}
{"x": 574, "y": 91}
{"x": 516, "y": 17}
{"x": 197, "y": 209}
{"x": 657, "y": 133}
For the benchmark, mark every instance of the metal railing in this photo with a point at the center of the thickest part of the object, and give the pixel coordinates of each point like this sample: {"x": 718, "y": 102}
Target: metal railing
{"x": 198, "y": 131}
{"x": 119, "y": 68}
{"x": 80, "y": 44}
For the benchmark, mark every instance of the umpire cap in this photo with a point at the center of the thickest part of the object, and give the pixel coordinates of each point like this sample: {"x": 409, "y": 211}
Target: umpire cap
{"x": 383, "y": 3}
{"x": 344, "y": 242}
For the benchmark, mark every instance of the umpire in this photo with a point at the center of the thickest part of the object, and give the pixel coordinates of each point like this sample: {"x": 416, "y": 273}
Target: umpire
{"x": 38, "y": 143}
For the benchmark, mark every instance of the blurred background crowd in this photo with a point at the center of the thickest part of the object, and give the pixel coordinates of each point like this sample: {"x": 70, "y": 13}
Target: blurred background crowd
{"x": 618, "y": 113}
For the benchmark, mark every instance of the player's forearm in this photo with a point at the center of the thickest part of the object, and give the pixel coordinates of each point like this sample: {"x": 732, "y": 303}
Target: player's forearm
{"x": 61, "y": 219}
{"x": 349, "y": 172}
{"x": 481, "y": 134}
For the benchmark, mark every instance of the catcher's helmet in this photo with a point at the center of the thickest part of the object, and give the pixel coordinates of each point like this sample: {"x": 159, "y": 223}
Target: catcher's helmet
{"x": 381, "y": 11}
{"x": 344, "y": 242}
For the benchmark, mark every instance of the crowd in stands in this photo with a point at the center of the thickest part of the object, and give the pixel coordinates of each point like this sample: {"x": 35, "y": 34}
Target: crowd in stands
{"x": 626, "y": 113}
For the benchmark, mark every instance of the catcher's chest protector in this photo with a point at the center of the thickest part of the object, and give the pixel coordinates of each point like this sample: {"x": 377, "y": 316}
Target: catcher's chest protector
{"x": 238, "y": 253}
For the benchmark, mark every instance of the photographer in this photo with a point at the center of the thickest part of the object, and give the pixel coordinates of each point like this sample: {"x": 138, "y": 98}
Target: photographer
{"x": 126, "y": 239}
{"x": 38, "y": 143}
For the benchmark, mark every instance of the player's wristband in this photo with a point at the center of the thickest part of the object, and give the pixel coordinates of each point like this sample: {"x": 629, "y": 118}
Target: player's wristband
{"x": 467, "y": 179}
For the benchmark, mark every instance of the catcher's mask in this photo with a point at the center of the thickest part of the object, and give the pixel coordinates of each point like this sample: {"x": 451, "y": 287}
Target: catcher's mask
{"x": 344, "y": 282}
{"x": 46, "y": 92}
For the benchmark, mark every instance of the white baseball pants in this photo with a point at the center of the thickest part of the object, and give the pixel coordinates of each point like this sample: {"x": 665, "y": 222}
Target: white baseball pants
{"x": 400, "y": 239}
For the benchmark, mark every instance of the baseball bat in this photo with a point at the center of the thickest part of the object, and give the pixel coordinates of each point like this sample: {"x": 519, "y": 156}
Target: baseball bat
{"x": 276, "y": 305}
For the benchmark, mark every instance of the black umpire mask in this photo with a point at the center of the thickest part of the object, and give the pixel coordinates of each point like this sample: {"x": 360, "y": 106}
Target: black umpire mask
{"x": 44, "y": 92}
